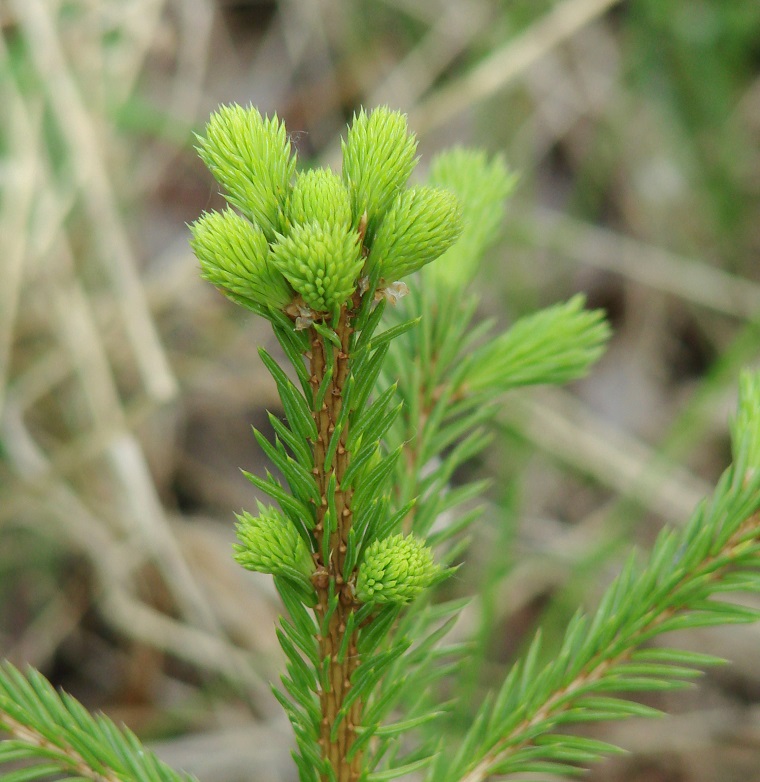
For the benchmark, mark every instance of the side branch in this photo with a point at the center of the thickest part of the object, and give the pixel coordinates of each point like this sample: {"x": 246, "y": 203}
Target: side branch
{"x": 66, "y": 757}
{"x": 712, "y": 570}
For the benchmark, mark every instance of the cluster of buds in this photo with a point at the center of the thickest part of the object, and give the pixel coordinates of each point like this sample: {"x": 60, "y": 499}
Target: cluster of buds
{"x": 307, "y": 243}
{"x": 303, "y": 242}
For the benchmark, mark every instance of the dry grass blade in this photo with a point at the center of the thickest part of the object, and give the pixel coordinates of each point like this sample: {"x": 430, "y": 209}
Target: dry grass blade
{"x": 689, "y": 279}
{"x": 499, "y": 68}
{"x": 84, "y": 148}
{"x": 559, "y": 423}
{"x": 21, "y": 178}
{"x": 58, "y": 478}
{"x": 450, "y": 35}
{"x": 115, "y": 565}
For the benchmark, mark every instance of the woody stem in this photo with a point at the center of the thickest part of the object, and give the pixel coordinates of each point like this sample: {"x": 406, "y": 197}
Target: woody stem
{"x": 335, "y": 596}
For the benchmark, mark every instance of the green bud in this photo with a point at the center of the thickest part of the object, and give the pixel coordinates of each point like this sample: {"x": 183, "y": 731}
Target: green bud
{"x": 745, "y": 428}
{"x": 269, "y": 543}
{"x": 378, "y": 157}
{"x": 481, "y": 184}
{"x": 395, "y": 570}
{"x": 321, "y": 262}
{"x": 319, "y": 196}
{"x": 235, "y": 257}
{"x": 250, "y": 156}
{"x": 422, "y": 223}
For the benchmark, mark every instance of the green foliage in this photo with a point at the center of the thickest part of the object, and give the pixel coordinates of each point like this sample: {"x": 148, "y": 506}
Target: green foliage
{"x": 481, "y": 184}
{"x": 54, "y": 735}
{"x": 745, "y": 428}
{"x": 383, "y": 405}
{"x": 674, "y": 589}
{"x": 555, "y": 345}
{"x": 302, "y": 245}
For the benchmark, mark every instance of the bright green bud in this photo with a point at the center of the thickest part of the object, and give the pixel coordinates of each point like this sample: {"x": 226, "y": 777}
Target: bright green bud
{"x": 481, "y": 185}
{"x": 319, "y": 196}
{"x": 378, "y": 157}
{"x": 422, "y": 223}
{"x": 235, "y": 257}
{"x": 250, "y": 156}
{"x": 321, "y": 262}
{"x": 269, "y": 543}
{"x": 553, "y": 345}
{"x": 395, "y": 570}
{"x": 745, "y": 428}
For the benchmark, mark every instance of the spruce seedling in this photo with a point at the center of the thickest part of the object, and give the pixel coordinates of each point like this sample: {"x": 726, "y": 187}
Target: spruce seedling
{"x": 387, "y": 402}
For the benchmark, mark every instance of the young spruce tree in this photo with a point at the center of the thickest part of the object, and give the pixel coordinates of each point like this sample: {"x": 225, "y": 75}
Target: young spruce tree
{"x": 384, "y": 407}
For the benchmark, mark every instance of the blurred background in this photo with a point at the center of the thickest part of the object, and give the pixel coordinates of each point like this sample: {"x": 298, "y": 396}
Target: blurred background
{"x": 128, "y": 386}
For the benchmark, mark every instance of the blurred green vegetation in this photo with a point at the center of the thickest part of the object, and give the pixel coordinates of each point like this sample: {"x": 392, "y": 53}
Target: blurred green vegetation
{"x": 127, "y": 388}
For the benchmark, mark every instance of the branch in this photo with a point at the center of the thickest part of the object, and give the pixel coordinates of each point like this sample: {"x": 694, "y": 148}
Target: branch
{"x": 716, "y": 553}
{"x": 55, "y": 730}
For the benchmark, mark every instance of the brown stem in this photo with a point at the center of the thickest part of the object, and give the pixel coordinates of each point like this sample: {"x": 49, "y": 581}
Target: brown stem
{"x": 330, "y": 572}
{"x": 66, "y": 755}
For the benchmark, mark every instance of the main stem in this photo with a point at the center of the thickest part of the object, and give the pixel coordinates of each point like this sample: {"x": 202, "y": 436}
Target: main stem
{"x": 329, "y": 579}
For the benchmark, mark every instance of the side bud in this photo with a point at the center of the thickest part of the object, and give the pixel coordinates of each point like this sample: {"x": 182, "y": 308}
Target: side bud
{"x": 234, "y": 256}
{"x": 250, "y": 156}
{"x": 269, "y": 543}
{"x": 378, "y": 157}
{"x": 422, "y": 224}
{"x": 395, "y": 570}
{"x": 321, "y": 262}
{"x": 319, "y": 196}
